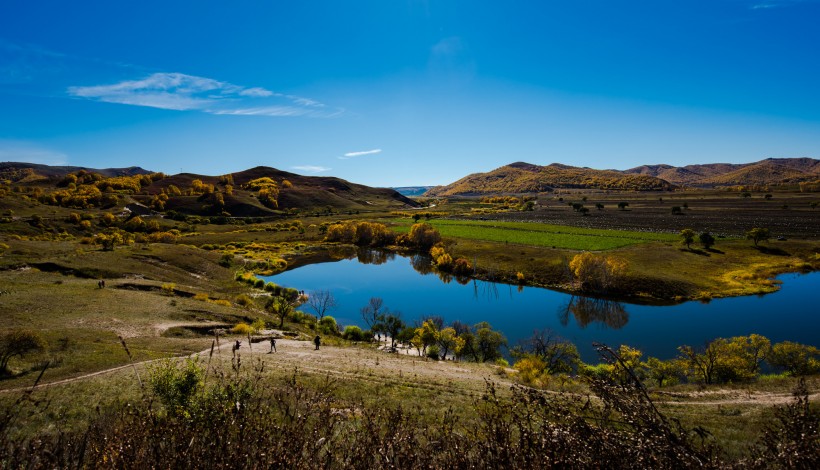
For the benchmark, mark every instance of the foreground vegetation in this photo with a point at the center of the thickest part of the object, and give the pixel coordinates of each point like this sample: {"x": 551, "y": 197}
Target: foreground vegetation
{"x": 194, "y": 412}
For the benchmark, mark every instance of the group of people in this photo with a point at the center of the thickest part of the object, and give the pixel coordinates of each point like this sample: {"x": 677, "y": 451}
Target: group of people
{"x": 317, "y": 341}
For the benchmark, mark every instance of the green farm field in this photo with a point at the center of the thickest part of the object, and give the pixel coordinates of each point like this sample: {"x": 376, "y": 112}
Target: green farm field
{"x": 537, "y": 234}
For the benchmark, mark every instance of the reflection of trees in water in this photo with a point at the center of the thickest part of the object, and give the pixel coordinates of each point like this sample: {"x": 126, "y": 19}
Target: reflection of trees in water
{"x": 488, "y": 290}
{"x": 341, "y": 252}
{"x": 423, "y": 264}
{"x": 587, "y": 310}
{"x": 367, "y": 256}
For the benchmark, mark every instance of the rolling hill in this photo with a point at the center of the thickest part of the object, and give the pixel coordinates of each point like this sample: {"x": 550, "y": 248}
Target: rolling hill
{"x": 294, "y": 191}
{"x": 771, "y": 171}
{"x": 523, "y": 177}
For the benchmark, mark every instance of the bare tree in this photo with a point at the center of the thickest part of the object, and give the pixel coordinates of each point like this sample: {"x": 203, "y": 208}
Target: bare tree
{"x": 560, "y": 355}
{"x": 372, "y": 312}
{"x": 322, "y": 302}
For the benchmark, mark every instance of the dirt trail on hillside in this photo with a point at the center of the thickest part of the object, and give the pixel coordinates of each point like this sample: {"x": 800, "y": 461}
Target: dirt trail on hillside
{"x": 378, "y": 367}
{"x": 338, "y": 362}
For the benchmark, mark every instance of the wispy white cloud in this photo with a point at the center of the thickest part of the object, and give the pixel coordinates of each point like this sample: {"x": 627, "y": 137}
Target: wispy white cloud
{"x": 777, "y": 4}
{"x": 311, "y": 168}
{"x": 30, "y": 152}
{"x": 359, "y": 154}
{"x": 181, "y": 92}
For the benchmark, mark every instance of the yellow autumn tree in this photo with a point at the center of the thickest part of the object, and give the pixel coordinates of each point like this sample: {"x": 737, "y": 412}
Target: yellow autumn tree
{"x": 597, "y": 272}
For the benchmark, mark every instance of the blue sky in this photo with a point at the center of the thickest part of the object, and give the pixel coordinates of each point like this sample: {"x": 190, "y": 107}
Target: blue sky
{"x": 392, "y": 93}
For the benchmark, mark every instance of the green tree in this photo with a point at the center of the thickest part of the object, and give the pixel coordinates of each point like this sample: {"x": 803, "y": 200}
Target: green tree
{"x": 752, "y": 349}
{"x": 687, "y": 236}
{"x": 703, "y": 362}
{"x": 487, "y": 342}
{"x": 623, "y": 205}
{"x": 707, "y": 240}
{"x": 449, "y": 342}
{"x": 393, "y": 325}
{"x": 428, "y": 334}
{"x": 758, "y": 235}
{"x": 724, "y": 360}
{"x": 18, "y": 343}
{"x": 663, "y": 372}
{"x": 795, "y": 358}
{"x": 279, "y": 306}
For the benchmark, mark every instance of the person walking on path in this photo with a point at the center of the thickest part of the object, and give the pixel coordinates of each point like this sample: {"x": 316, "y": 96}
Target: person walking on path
{"x": 317, "y": 341}
{"x": 272, "y": 344}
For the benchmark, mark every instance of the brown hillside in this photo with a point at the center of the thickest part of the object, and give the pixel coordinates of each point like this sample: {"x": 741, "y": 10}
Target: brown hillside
{"x": 527, "y": 178}
{"x": 302, "y": 192}
{"x": 762, "y": 173}
{"x": 772, "y": 171}
{"x": 34, "y": 171}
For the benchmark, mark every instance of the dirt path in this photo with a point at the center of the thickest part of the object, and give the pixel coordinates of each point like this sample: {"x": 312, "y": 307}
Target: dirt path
{"x": 382, "y": 368}
{"x": 350, "y": 363}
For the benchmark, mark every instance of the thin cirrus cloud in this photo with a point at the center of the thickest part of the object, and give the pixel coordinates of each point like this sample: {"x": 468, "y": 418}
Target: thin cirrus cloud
{"x": 778, "y": 4}
{"x": 181, "y": 92}
{"x": 311, "y": 168}
{"x": 349, "y": 155}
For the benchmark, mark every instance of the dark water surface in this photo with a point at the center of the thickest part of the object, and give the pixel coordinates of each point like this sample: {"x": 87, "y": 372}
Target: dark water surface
{"x": 789, "y": 314}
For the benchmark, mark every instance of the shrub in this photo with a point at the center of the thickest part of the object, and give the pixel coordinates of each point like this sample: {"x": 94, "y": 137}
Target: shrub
{"x": 169, "y": 288}
{"x": 433, "y": 352}
{"x": 202, "y": 297}
{"x": 257, "y": 325}
{"x": 242, "y": 329}
{"x": 243, "y": 300}
{"x": 532, "y": 371}
{"x": 18, "y": 343}
{"x": 175, "y": 386}
{"x": 354, "y": 333}
{"x": 328, "y": 326}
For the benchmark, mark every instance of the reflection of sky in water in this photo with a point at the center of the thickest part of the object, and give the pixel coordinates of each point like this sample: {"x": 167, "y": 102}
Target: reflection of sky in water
{"x": 658, "y": 331}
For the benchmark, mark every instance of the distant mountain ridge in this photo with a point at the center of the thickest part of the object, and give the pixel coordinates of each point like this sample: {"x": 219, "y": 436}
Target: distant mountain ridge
{"x": 47, "y": 171}
{"x": 763, "y": 172}
{"x": 411, "y": 191}
{"x": 522, "y": 177}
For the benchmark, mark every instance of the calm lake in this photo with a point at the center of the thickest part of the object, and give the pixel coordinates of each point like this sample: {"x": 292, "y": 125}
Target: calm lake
{"x": 789, "y": 314}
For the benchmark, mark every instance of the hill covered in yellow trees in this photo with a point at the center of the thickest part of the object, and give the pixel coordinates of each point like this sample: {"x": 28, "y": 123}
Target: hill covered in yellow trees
{"x": 527, "y": 178}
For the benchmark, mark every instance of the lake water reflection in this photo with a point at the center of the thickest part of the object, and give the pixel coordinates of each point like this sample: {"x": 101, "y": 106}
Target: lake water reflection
{"x": 410, "y": 286}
